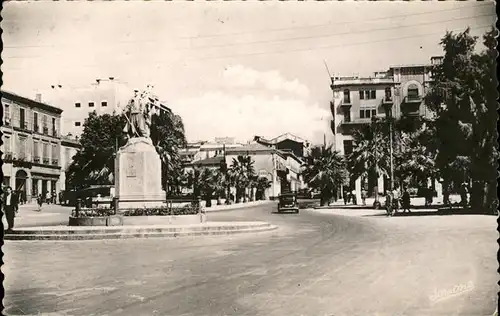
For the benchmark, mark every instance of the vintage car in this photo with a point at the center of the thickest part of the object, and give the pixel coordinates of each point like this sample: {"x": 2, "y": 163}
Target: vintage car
{"x": 288, "y": 202}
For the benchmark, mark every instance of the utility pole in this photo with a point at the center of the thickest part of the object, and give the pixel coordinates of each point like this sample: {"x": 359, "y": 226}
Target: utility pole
{"x": 375, "y": 122}
{"x": 391, "y": 151}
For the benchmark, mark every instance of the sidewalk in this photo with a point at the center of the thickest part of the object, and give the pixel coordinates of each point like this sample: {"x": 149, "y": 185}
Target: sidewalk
{"x": 51, "y": 214}
{"x": 216, "y": 208}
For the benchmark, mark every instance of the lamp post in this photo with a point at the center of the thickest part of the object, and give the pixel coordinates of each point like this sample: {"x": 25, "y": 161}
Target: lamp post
{"x": 388, "y": 113}
{"x": 376, "y": 203}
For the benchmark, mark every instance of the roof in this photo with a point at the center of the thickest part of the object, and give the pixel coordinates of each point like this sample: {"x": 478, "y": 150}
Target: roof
{"x": 281, "y": 138}
{"x": 209, "y": 161}
{"x": 253, "y": 148}
{"x": 30, "y": 102}
{"x": 291, "y": 154}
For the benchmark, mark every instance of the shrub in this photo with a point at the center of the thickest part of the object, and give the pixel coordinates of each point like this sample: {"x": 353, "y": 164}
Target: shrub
{"x": 162, "y": 211}
{"x": 93, "y": 212}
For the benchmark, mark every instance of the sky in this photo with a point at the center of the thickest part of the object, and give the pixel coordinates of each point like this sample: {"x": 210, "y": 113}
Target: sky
{"x": 234, "y": 69}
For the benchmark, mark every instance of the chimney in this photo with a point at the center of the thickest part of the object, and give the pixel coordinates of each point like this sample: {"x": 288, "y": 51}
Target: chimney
{"x": 38, "y": 97}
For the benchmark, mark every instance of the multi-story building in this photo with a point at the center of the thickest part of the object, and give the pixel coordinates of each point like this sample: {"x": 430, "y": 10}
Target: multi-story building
{"x": 287, "y": 142}
{"x": 31, "y": 145}
{"x": 356, "y": 100}
{"x": 105, "y": 96}
{"x": 69, "y": 147}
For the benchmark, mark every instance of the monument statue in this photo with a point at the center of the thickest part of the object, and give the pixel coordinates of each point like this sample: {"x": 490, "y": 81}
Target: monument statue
{"x": 137, "y": 164}
{"x": 138, "y": 112}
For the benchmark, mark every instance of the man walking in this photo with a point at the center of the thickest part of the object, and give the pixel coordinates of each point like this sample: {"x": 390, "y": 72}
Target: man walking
{"x": 10, "y": 207}
{"x": 406, "y": 201}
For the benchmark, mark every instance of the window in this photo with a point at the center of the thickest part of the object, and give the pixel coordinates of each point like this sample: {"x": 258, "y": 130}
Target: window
{"x": 347, "y": 96}
{"x": 367, "y": 113}
{"x": 104, "y": 103}
{"x": 347, "y": 115}
{"x": 347, "y": 147}
{"x": 361, "y": 95}
{"x": 388, "y": 94}
{"x": 45, "y": 151}
{"x": 6, "y": 114}
{"x": 78, "y": 105}
{"x": 36, "y": 150}
{"x": 91, "y": 104}
{"x": 78, "y": 124}
{"x": 368, "y": 94}
{"x": 44, "y": 123}
{"x": 22, "y": 147}
{"x": 412, "y": 91}
{"x": 373, "y": 94}
{"x": 54, "y": 152}
{"x": 54, "y": 126}
{"x": 6, "y": 142}
{"x": 22, "y": 117}
{"x": 35, "y": 121}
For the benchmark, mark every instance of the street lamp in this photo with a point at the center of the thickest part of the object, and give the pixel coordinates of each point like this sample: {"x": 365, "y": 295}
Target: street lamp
{"x": 376, "y": 203}
{"x": 388, "y": 114}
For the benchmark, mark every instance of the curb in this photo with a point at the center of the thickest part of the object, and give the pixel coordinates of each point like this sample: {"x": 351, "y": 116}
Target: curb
{"x": 233, "y": 207}
{"x": 131, "y": 232}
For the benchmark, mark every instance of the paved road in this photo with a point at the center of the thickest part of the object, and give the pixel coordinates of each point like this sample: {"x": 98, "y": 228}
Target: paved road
{"x": 316, "y": 263}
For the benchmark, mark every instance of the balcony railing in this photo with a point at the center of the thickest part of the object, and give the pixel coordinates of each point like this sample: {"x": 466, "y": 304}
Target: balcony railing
{"x": 46, "y": 161}
{"x": 413, "y": 99}
{"x": 36, "y": 128}
{"x": 54, "y": 133}
{"x": 7, "y": 156}
{"x": 346, "y": 103}
{"x": 45, "y": 130}
{"x": 55, "y": 162}
{"x": 36, "y": 159}
{"x": 356, "y": 121}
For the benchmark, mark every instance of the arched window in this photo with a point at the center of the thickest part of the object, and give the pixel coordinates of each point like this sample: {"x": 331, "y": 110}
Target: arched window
{"x": 413, "y": 91}
{"x": 347, "y": 96}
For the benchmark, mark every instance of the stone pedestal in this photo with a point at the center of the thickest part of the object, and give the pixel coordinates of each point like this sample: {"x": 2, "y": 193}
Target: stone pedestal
{"x": 138, "y": 175}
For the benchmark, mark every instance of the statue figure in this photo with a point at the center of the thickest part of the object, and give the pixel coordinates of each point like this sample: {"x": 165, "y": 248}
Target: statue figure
{"x": 138, "y": 113}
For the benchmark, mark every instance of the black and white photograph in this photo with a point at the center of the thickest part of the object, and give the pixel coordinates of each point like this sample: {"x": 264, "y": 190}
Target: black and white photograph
{"x": 258, "y": 158}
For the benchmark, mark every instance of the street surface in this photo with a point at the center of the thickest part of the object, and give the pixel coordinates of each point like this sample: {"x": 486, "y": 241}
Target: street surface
{"x": 318, "y": 262}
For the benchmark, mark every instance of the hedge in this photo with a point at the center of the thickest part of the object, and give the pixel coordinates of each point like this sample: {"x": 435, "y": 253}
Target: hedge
{"x": 151, "y": 211}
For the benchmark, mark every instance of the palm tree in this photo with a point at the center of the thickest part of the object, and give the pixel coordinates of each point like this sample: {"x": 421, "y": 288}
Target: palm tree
{"x": 241, "y": 172}
{"x": 325, "y": 171}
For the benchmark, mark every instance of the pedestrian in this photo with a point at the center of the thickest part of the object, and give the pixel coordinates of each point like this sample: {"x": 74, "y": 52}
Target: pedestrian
{"x": 363, "y": 197}
{"x": 406, "y": 201}
{"x": 10, "y": 205}
{"x": 47, "y": 197}
{"x": 39, "y": 200}
{"x": 353, "y": 196}
{"x": 463, "y": 195}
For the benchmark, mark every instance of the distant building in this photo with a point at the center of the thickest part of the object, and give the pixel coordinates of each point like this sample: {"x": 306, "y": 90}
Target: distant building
{"x": 105, "y": 96}
{"x": 287, "y": 142}
{"x": 69, "y": 147}
{"x": 400, "y": 90}
{"x": 31, "y": 145}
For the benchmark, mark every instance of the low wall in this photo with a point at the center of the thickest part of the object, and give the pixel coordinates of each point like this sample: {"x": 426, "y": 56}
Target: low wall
{"x": 96, "y": 221}
{"x": 164, "y": 220}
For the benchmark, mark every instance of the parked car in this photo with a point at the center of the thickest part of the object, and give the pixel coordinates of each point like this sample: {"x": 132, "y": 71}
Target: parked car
{"x": 288, "y": 202}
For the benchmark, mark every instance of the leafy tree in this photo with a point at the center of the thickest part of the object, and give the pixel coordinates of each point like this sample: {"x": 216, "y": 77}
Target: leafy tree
{"x": 167, "y": 134}
{"x": 95, "y": 162}
{"x": 241, "y": 172}
{"x": 206, "y": 183}
{"x": 325, "y": 171}
{"x": 464, "y": 96}
{"x": 102, "y": 136}
{"x": 261, "y": 185}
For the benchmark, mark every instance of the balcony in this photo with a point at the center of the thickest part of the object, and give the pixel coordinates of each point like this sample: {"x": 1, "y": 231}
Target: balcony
{"x": 36, "y": 159}
{"x": 54, "y": 133}
{"x": 46, "y": 161}
{"x": 349, "y": 125}
{"x": 346, "y": 103}
{"x": 7, "y": 156}
{"x": 413, "y": 99}
{"x": 387, "y": 100}
{"x": 55, "y": 162}
{"x": 36, "y": 128}
{"x": 45, "y": 130}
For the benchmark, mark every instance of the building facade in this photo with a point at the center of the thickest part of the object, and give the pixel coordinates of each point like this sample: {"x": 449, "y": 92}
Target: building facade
{"x": 69, "y": 147}
{"x": 31, "y": 145}
{"x": 399, "y": 91}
